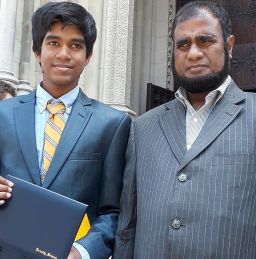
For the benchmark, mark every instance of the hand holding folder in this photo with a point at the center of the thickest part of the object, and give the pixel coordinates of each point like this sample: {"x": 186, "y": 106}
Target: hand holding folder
{"x": 39, "y": 223}
{"x": 5, "y": 190}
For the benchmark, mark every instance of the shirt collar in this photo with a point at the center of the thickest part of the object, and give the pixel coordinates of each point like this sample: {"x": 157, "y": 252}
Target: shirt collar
{"x": 42, "y": 97}
{"x": 181, "y": 93}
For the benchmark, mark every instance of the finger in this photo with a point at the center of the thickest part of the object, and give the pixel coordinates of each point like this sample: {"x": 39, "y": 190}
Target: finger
{"x": 6, "y": 182}
{"x": 5, "y": 188}
{"x": 5, "y": 195}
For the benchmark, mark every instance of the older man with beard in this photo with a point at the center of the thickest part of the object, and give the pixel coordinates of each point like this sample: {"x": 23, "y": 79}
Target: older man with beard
{"x": 189, "y": 185}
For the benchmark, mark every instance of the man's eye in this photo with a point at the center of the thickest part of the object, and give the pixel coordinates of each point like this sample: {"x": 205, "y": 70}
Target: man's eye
{"x": 77, "y": 46}
{"x": 182, "y": 45}
{"x": 53, "y": 43}
{"x": 205, "y": 41}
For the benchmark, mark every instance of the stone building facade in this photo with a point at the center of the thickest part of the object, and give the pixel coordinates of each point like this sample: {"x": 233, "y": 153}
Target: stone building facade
{"x": 132, "y": 49}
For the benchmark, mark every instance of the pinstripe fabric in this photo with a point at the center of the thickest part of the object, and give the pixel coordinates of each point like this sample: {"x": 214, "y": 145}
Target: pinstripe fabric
{"x": 53, "y": 130}
{"x": 216, "y": 204}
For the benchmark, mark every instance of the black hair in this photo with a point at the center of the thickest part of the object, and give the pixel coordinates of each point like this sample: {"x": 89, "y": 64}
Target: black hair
{"x": 6, "y": 88}
{"x": 192, "y": 9}
{"x": 67, "y": 13}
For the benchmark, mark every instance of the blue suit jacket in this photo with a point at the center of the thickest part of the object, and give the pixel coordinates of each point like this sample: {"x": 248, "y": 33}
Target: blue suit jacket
{"x": 88, "y": 164}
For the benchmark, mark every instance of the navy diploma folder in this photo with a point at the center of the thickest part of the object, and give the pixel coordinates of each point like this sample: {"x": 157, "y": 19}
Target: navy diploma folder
{"x": 39, "y": 223}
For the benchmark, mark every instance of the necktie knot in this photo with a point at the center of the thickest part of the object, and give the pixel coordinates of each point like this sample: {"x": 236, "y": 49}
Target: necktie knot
{"x": 56, "y": 108}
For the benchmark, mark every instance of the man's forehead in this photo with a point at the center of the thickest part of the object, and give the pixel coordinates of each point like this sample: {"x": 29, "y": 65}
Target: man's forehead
{"x": 194, "y": 14}
{"x": 57, "y": 28}
{"x": 62, "y": 26}
{"x": 203, "y": 23}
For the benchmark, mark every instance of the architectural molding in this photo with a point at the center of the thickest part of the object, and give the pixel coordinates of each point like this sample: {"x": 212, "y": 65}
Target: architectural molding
{"x": 7, "y": 39}
{"x": 116, "y": 59}
{"x": 123, "y": 108}
{"x": 12, "y": 42}
{"x": 169, "y": 79}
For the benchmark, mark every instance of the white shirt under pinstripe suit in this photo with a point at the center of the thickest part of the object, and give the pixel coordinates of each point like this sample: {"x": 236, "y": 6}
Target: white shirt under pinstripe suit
{"x": 195, "y": 119}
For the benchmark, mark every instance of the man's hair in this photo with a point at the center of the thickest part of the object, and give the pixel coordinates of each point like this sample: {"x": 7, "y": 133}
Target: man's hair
{"x": 6, "y": 88}
{"x": 67, "y": 13}
{"x": 192, "y": 10}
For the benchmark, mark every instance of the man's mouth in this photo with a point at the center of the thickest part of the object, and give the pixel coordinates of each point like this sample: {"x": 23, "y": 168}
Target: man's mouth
{"x": 62, "y": 66}
{"x": 196, "y": 68}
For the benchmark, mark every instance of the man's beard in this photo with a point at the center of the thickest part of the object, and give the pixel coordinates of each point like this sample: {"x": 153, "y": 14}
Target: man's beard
{"x": 205, "y": 83}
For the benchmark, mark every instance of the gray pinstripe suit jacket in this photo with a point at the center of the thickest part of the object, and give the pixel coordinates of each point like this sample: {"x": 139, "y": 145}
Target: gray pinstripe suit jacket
{"x": 216, "y": 205}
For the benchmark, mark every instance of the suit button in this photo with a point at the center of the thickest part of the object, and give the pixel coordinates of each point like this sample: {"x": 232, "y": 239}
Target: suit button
{"x": 176, "y": 223}
{"x": 183, "y": 177}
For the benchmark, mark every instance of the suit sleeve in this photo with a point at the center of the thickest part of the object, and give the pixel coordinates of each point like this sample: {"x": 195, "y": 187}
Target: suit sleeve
{"x": 99, "y": 242}
{"x": 125, "y": 237}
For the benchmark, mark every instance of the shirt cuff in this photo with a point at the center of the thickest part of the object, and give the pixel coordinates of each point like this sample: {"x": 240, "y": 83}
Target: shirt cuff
{"x": 83, "y": 252}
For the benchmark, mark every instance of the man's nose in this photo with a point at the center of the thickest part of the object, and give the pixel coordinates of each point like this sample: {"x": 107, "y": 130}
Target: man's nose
{"x": 64, "y": 53}
{"x": 195, "y": 52}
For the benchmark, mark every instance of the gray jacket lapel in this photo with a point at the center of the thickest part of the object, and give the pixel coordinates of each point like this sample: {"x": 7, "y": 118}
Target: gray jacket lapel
{"x": 24, "y": 116}
{"x": 173, "y": 123}
{"x": 76, "y": 123}
{"x": 225, "y": 111}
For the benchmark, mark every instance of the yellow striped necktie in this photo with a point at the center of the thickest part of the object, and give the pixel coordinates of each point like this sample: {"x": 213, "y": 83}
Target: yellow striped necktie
{"x": 53, "y": 130}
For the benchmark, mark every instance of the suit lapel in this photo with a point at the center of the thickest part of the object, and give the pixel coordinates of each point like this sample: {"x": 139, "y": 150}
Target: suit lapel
{"x": 24, "y": 117}
{"x": 173, "y": 123}
{"x": 225, "y": 111}
{"x": 75, "y": 125}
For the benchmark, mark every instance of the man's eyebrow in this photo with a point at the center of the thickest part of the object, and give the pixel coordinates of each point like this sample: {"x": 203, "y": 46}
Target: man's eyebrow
{"x": 51, "y": 37}
{"x": 206, "y": 36}
{"x": 182, "y": 41}
{"x": 78, "y": 40}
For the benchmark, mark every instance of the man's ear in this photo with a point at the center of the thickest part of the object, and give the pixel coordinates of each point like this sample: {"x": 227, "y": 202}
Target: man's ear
{"x": 230, "y": 44}
{"x": 87, "y": 60}
{"x": 37, "y": 56}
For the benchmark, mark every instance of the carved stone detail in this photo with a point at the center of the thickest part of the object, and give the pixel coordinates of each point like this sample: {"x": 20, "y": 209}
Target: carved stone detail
{"x": 249, "y": 61}
{"x": 117, "y": 47}
{"x": 248, "y": 14}
{"x": 251, "y": 13}
{"x": 169, "y": 80}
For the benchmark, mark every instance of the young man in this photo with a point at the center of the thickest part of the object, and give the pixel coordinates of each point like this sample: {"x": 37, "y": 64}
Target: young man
{"x": 6, "y": 91}
{"x": 86, "y": 160}
{"x": 189, "y": 184}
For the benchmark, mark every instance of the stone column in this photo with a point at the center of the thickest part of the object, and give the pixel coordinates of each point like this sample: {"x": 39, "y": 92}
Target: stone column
{"x": 7, "y": 39}
{"x": 116, "y": 54}
{"x": 26, "y": 53}
{"x": 150, "y": 57}
{"x": 89, "y": 80}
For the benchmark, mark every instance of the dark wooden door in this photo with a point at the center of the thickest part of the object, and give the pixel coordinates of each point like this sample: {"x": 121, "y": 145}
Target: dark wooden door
{"x": 243, "y": 17}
